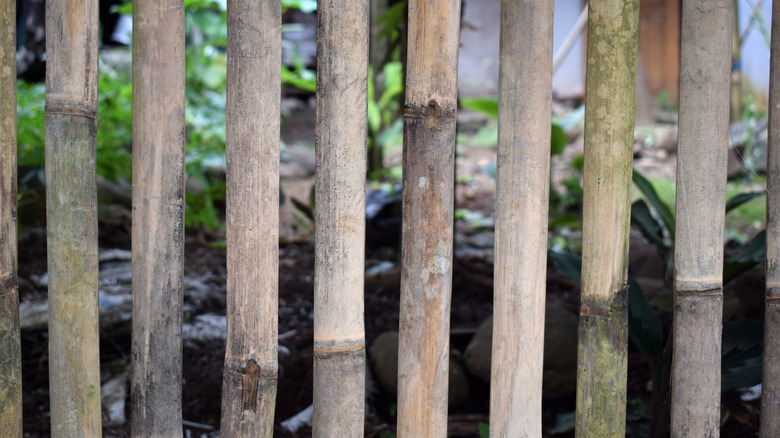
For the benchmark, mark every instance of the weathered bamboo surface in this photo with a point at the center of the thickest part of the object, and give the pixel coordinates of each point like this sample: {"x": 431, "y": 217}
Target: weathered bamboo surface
{"x": 10, "y": 346}
{"x": 705, "y": 68}
{"x": 158, "y": 216}
{"x": 609, "y": 138}
{"x": 71, "y": 216}
{"x": 428, "y": 198}
{"x": 341, "y": 130}
{"x": 770, "y": 390}
{"x": 525, "y": 99}
{"x": 253, "y": 111}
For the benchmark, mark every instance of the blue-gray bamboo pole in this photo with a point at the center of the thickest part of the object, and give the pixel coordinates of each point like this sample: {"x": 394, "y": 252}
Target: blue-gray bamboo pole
{"x": 770, "y": 390}
{"x": 10, "y": 346}
{"x": 609, "y": 137}
{"x": 428, "y": 199}
{"x": 525, "y": 99}
{"x": 340, "y": 212}
{"x": 158, "y": 217}
{"x": 253, "y": 108}
{"x": 71, "y": 216}
{"x": 705, "y": 69}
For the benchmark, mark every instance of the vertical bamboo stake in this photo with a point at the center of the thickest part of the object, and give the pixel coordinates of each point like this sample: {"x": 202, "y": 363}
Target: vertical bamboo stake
{"x": 158, "y": 216}
{"x": 525, "y": 99}
{"x": 340, "y": 212}
{"x": 428, "y": 198}
{"x": 705, "y": 69}
{"x": 770, "y": 391}
{"x": 609, "y": 137}
{"x": 71, "y": 216}
{"x": 10, "y": 346}
{"x": 253, "y": 108}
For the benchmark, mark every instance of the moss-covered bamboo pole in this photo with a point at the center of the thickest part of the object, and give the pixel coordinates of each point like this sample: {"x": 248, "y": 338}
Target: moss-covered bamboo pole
{"x": 10, "y": 347}
{"x": 71, "y": 216}
{"x": 609, "y": 139}
{"x": 428, "y": 198}
{"x": 340, "y": 211}
{"x": 525, "y": 96}
{"x": 253, "y": 107}
{"x": 705, "y": 69}
{"x": 158, "y": 216}
{"x": 770, "y": 391}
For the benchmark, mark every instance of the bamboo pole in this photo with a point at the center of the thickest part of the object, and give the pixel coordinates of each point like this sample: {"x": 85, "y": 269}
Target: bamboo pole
{"x": 609, "y": 137}
{"x": 71, "y": 216}
{"x": 253, "y": 108}
{"x": 340, "y": 212}
{"x": 525, "y": 99}
{"x": 705, "y": 61}
{"x": 428, "y": 198}
{"x": 770, "y": 390}
{"x": 158, "y": 216}
{"x": 10, "y": 345}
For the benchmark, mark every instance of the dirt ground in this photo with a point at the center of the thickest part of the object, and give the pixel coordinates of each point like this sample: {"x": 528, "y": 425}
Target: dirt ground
{"x": 472, "y": 302}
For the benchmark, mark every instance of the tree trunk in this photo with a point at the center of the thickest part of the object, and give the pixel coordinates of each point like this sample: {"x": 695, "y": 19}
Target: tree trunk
{"x": 10, "y": 346}
{"x": 158, "y": 216}
{"x": 428, "y": 198}
{"x": 770, "y": 390}
{"x": 609, "y": 138}
{"x": 340, "y": 215}
{"x": 71, "y": 212}
{"x": 253, "y": 108}
{"x": 525, "y": 98}
{"x": 705, "y": 67}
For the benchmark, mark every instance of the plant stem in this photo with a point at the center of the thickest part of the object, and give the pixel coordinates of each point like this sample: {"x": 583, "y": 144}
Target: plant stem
{"x": 71, "y": 213}
{"x": 158, "y": 216}
{"x": 705, "y": 69}
{"x": 609, "y": 138}
{"x": 340, "y": 215}
{"x": 10, "y": 344}
{"x": 525, "y": 99}
{"x": 252, "y": 154}
{"x": 428, "y": 200}
{"x": 770, "y": 390}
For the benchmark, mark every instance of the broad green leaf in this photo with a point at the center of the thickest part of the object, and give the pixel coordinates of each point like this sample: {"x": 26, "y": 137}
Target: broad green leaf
{"x": 484, "y": 105}
{"x": 644, "y": 325}
{"x": 741, "y": 357}
{"x": 742, "y": 198}
{"x": 648, "y": 225}
{"x": 752, "y": 255}
{"x": 558, "y": 139}
{"x": 663, "y": 210}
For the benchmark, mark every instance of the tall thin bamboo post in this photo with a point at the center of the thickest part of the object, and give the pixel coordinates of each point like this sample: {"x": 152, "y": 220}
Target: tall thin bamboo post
{"x": 253, "y": 108}
{"x": 71, "y": 216}
{"x": 609, "y": 137}
{"x": 770, "y": 390}
{"x": 158, "y": 216}
{"x": 705, "y": 70}
{"x": 428, "y": 198}
{"x": 340, "y": 214}
{"x": 525, "y": 99}
{"x": 10, "y": 346}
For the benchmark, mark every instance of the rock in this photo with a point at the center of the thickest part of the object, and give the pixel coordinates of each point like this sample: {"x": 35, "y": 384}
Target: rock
{"x": 113, "y": 396}
{"x": 560, "y": 351}
{"x": 383, "y": 357}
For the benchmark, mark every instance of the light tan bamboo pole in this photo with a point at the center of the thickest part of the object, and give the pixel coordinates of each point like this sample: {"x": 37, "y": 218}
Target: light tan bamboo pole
{"x": 770, "y": 390}
{"x": 253, "y": 107}
{"x": 340, "y": 213}
{"x": 428, "y": 198}
{"x": 158, "y": 216}
{"x": 609, "y": 137}
{"x": 71, "y": 216}
{"x": 705, "y": 69}
{"x": 525, "y": 99}
{"x": 10, "y": 345}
